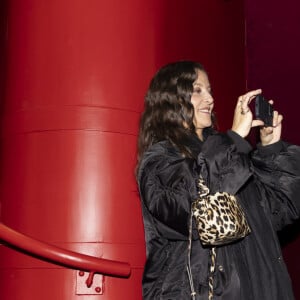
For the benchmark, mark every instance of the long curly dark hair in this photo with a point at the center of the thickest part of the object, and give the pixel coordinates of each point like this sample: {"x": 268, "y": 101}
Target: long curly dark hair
{"x": 168, "y": 111}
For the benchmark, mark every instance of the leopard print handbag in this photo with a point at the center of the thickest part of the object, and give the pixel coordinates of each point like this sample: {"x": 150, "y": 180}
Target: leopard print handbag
{"x": 219, "y": 217}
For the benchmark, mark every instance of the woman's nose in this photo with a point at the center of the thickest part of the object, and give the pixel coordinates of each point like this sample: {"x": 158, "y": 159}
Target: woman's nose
{"x": 209, "y": 98}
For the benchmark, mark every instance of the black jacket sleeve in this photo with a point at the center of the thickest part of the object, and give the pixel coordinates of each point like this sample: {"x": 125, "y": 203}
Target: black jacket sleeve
{"x": 167, "y": 188}
{"x": 277, "y": 170}
{"x": 225, "y": 162}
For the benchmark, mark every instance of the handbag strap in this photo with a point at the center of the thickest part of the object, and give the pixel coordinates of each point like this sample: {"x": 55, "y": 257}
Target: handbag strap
{"x": 203, "y": 189}
{"x": 189, "y": 270}
{"x": 213, "y": 258}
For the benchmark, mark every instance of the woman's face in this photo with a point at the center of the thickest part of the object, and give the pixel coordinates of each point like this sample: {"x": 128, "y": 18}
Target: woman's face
{"x": 203, "y": 103}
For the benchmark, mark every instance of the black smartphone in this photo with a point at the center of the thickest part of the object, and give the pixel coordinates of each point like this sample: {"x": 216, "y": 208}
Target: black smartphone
{"x": 263, "y": 110}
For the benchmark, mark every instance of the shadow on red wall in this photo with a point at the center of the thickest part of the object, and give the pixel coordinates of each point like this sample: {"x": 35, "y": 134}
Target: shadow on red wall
{"x": 212, "y": 33}
{"x": 273, "y": 47}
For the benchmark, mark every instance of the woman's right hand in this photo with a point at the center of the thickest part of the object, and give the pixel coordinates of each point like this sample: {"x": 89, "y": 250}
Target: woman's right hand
{"x": 243, "y": 117}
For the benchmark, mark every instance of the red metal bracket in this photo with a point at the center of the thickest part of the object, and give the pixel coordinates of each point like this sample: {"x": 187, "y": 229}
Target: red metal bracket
{"x": 89, "y": 283}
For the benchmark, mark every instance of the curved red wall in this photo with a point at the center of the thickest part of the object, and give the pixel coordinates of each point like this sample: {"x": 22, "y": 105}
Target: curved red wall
{"x": 69, "y": 139}
{"x": 75, "y": 81}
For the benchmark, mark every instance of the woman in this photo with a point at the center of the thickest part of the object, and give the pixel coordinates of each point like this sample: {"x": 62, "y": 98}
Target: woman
{"x": 177, "y": 143}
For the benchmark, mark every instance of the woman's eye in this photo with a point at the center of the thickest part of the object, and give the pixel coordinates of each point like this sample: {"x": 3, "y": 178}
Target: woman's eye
{"x": 197, "y": 91}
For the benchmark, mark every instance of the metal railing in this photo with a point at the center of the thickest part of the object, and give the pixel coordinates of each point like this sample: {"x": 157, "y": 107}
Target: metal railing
{"x": 62, "y": 256}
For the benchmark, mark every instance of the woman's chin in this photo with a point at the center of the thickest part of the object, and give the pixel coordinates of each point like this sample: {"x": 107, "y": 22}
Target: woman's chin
{"x": 203, "y": 125}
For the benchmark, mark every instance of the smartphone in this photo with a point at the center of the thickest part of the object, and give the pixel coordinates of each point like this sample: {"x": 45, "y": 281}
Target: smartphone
{"x": 263, "y": 110}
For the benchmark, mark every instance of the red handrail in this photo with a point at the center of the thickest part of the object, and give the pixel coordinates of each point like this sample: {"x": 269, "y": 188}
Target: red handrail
{"x": 62, "y": 256}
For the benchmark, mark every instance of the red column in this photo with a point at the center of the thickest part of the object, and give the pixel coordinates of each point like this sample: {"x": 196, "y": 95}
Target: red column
{"x": 74, "y": 92}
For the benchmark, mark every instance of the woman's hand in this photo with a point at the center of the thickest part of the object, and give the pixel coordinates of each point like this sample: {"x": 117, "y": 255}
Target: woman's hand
{"x": 271, "y": 135}
{"x": 243, "y": 118}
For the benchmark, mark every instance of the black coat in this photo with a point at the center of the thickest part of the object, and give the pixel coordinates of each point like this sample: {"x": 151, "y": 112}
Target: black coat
{"x": 267, "y": 184}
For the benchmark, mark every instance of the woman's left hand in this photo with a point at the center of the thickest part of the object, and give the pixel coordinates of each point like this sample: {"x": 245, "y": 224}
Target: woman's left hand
{"x": 271, "y": 135}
